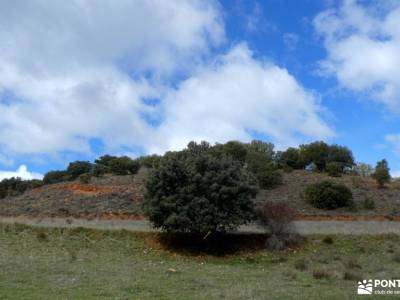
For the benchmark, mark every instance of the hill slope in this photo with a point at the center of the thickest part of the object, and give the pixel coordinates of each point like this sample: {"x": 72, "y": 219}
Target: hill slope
{"x": 121, "y": 196}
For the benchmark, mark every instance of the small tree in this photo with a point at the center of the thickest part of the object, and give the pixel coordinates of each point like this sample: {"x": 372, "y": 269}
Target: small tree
{"x": 381, "y": 173}
{"x": 194, "y": 191}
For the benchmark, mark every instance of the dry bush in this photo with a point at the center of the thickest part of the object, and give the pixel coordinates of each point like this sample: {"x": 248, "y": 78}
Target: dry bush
{"x": 321, "y": 274}
{"x": 277, "y": 218}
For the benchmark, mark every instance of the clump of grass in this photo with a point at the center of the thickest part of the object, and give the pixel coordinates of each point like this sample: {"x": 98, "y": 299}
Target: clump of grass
{"x": 42, "y": 236}
{"x": 369, "y": 203}
{"x": 321, "y": 274}
{"x": 352, "y": 263}
{"x": 301, "y": 265}
{"x": 328, "y": 240}
{"x": 349, "y": 275}
{"x": 396, "y": 257}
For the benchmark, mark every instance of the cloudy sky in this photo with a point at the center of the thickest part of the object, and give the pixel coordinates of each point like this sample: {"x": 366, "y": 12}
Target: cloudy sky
{"x": 82, "y": 78}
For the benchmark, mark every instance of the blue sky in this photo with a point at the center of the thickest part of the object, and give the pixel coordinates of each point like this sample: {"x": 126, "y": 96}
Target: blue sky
{"x": 79, "y": 80}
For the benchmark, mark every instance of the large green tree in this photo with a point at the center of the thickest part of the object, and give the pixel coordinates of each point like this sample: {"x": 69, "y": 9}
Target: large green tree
{"x": 199, "y": 192}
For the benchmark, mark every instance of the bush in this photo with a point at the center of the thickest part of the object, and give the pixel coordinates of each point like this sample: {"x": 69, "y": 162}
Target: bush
{"x": 15, "y": 186}
{"x": 321, "y": 154}
{"x": 99, "y": 170}
{"x": 266, "y": 149}
{"x": 301, "y": 265}
{"x": 77, "y": 168}
{"x": 35, "y": 183}
{"x": 321, "y": 274}
{"x": 278, "y": 218}
{"x": 328, "y": 195}
{"x": 328, "y": 240}
{"x": 266, "y": 171}
{"x": 381, "y": 173}
{"x": 124, "y": 165}
{"x": 85, "y": 178}
{"x": 55, "y": 177}
{"x": 194, "y": 191}
{"x": 369, "y": 203}
{"x": 236, "y": 150}
{"x": 149, "y": 161}
{"x": 291, "y": 158}
{"x": 334, "y": 169}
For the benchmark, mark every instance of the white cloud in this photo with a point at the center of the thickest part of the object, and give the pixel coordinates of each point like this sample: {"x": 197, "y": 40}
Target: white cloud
{"x": 237, "y": 95}
{"x": 363, "y": 45}
{"x": 22, "y": 172}
{"x": 68, "y": 66}
{"x": 75, "y": 70}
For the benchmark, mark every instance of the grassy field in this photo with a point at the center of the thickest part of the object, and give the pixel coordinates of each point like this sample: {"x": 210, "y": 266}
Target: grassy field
{"x": 88, "y": 264}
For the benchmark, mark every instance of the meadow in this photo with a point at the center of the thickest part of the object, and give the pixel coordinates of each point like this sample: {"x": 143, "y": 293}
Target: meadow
{"x": 38, "y": 263}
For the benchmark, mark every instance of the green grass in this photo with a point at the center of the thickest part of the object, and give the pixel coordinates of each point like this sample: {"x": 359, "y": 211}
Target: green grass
{"x": 88, "y": 264}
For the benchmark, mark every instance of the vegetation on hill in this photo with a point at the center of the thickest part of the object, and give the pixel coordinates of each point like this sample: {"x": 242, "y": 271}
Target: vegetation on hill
{"x": 271, "y": 169}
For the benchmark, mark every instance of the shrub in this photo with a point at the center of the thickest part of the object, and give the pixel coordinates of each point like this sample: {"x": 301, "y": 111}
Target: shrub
{"x": 15, "y": 186}
{"x": 149, "y": 161}
{"x": 291, "y": 158}
{"x": 269, "y": 178}
{"x": 124, "y": 165}
{"x": 85, "y": 178}
{"x": 55, "y": 177}
{"x": 77, "y": 168}
{"x": 99, "y": 170}
{"x": 105, "y": 160}
{"x": 266, "y": 149}
{"x": 369, "y": 203}
{"x": 301, "y": 265}
{"x": 334, "y": 169}
{"x": 328, "y": 240}
{"x": 316, "y": 153}
{"x": 349, "y": 275}
{"x": 236, "y": 150}
{"x": 35, "y": 183}
{"x": 341, "y": 155}
{"x": 278, "y": 218}
{"x": 396, "y": 257}
{"x": 381, "y": 173}
{"x": 321, "y": 274}
{"x": 266, "y": 171}
{"x": 328, "y": 195}
{"x": 194, "y": 191}
{"x": 320, "y": 154}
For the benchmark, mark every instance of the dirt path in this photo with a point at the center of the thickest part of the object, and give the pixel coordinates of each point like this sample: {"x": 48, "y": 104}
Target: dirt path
{"x": 303, "y": 227}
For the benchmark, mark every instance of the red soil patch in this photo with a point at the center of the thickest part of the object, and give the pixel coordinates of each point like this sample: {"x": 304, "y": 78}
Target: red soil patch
{"x": 86, "y": 189}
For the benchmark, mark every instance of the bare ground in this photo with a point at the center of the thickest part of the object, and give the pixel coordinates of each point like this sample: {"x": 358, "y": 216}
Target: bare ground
{"x": 302, "y": 227}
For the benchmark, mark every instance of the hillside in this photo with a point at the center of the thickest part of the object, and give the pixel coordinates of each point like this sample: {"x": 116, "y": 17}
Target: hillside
{"x": 104, "y": 196}
{"x": 121, "y": 196}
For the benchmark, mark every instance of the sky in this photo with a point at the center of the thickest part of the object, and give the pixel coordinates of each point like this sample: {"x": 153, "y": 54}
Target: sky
{"x": 80, "y": 78}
